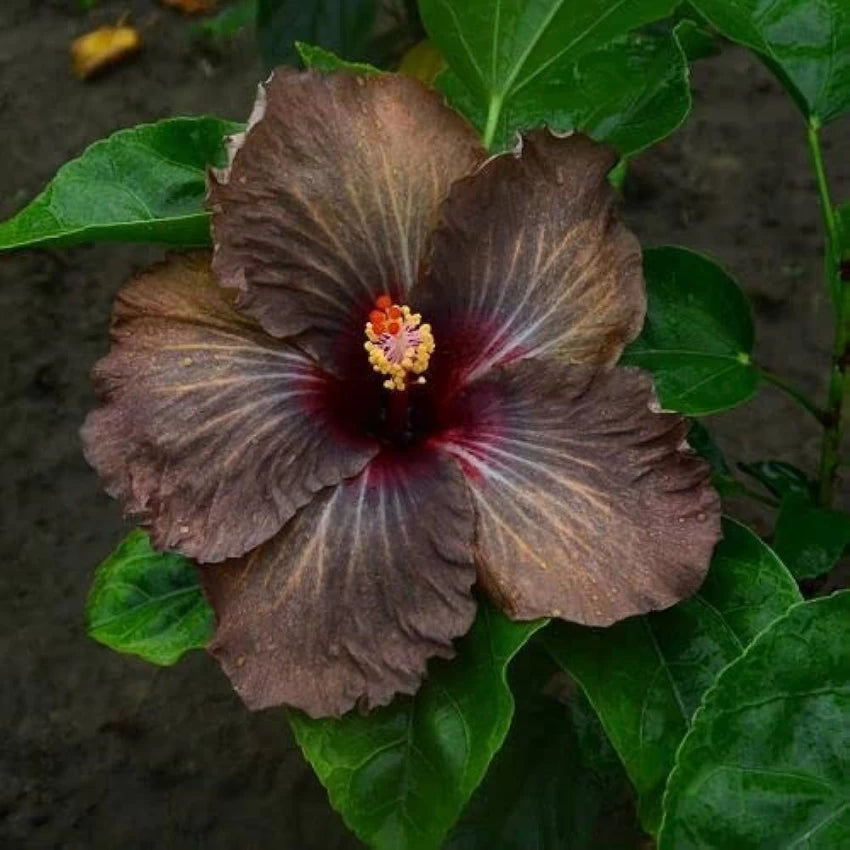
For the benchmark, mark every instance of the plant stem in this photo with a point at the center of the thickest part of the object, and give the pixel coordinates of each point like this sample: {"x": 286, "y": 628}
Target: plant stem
{"x": 801, "y": 398}
{"x": 839, "y": 378}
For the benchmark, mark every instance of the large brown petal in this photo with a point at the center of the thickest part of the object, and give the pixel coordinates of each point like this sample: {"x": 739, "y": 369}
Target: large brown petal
{"x": 347, "y": 603}
{"x": 210, "y": 431}
{"x": 530, "y": 260}
{"x": 331, "y": 196}
{"x": 589, "y": 506}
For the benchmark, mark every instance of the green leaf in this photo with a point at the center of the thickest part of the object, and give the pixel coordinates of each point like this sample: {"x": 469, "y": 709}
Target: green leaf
{"x": 555, "y": 774}
{"x": 148, "y": 603}
{"x": 701, "y": 441}
{"x": 765, "y": 762}
{"x": 780, "y": 478}
{"x": 696, "y": 40}
{"x": 145, "y": 184}
{"x": 645, "y": 676}
{"x": 698, "y": 334}
{"x": 232, "y": 19}
{"x": 809, "y": 539}
{"x": 401, "y": 775}
{"x": 806, "y": 43}
{"x": 343, "y": 26}
{"x": 512, "y": 61}
{"x": 630, "y": 93}
{"x": 317, "y": 57}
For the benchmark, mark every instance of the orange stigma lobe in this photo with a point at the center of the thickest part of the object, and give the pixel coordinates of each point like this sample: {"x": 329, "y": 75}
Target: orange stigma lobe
{"x": 398, "y": 344}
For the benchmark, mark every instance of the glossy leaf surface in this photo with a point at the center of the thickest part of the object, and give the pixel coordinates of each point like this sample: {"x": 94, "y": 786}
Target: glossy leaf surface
{"x": 401, "y": 775}
{"x": 512, "y": 62}
{"x": 807, "y": 42}
{"x": 645, "y": 676}
{"x": 630, "y": 93}
{"x": 698, "y": 334}
{"x": 554, "y": 776}
{"x": 343, "y": 26}
{"x": 810, "y": 539}
{"x": 145, "y": 184}
{"x": 765, "y": 762}
{"x": 148, "y": 603}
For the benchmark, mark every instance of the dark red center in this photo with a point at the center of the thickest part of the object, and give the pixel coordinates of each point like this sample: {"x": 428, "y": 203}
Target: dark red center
{"x": 359, "y": 404}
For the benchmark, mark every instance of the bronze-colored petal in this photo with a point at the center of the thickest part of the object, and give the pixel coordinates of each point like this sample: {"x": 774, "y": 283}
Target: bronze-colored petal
{"x": 590, "y": 507}
{"x": 347, "y": 603}
{"x": 331, "y": 196}
{"x": 210, "y": 431}
{"x": 529, "y": 260}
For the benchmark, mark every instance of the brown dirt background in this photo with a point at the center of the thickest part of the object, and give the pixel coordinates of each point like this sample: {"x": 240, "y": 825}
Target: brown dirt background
{"x": 100, "y": 751}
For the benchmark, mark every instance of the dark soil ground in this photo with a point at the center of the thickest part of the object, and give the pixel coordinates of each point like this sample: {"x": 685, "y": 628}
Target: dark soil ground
{"x": 101, "y": 751}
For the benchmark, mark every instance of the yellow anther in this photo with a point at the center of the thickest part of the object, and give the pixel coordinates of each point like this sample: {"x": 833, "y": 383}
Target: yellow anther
{"x": 397, "y": 343}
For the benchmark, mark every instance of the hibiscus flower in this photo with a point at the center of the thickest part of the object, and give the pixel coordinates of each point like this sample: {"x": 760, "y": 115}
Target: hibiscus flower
{"x": 394, "y": 378}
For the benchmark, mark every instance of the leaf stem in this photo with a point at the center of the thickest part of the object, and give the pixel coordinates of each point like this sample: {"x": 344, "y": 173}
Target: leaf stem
{"x": 800, "y": 397}
{"x": 494, "y": 110}
{"x": 839, "y": 378}
{"x": 829, "y": 221}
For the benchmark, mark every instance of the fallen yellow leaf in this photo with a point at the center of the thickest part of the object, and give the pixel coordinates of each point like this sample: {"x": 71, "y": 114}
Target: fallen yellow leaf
{"x": 101, "y": 48}
{"x": 191, "y": 7}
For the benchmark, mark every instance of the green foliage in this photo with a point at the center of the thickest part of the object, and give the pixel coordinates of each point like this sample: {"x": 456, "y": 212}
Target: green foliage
{"x": 697, "y": 41}
{"x": 230, "y": 20}
{"x": 363, "y": 31}
{"x": 343, "y": 26}
{"x": 146, "y": 184}
{"x": 630, "y": 93}
{"x": 808, "y": 538}
{"x": 765, "y": 762}
{"x": 701, "y": 441}
{"x": 401, "y": 775}
{"x": 645, "y": 676}
{"x": 806, "y": 43}
{"x": 324, "y": 60}
{"x": 780, "y": 478}
{"x": 698, "y": 335}
{"x": 148, "y": 603}
{"x": 552, "y": 779}
{"x": 513, "y": 64}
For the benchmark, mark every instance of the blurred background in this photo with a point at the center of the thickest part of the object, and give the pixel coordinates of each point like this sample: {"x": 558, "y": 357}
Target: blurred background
{"x": 101, "y": 751}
